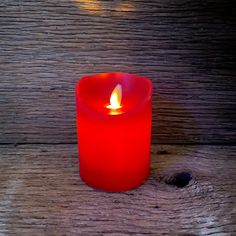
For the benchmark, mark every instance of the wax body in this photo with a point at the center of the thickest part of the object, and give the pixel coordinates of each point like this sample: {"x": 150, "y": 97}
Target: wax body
{"x": 114, "y": 150}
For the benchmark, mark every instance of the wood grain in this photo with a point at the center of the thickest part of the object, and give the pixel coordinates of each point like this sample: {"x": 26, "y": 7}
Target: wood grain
{"x": 41, "y": 194}
{"x": 185, "y": 47}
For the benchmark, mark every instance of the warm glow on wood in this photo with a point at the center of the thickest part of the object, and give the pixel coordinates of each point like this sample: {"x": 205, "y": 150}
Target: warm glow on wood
{"x": 93, "y": 7}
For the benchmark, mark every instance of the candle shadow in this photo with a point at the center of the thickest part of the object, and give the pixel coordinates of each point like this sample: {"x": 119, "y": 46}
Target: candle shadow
{"x": 174, "y": 125}
{"x": 173, "y": 120}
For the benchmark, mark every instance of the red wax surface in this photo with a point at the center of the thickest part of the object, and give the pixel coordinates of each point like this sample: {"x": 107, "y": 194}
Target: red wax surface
{"x": 114, "y": 147}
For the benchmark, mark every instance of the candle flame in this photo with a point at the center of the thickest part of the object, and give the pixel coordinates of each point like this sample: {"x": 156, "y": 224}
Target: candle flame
{"x": 116, "y": 96}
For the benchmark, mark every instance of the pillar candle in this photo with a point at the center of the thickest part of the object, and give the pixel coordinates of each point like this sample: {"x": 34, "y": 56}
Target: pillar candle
{"x": 114, "y": 130}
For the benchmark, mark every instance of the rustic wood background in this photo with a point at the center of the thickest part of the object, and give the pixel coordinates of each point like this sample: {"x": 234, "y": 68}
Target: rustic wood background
{"x": 188, "y": 50}
{"x": 185, "y": 47}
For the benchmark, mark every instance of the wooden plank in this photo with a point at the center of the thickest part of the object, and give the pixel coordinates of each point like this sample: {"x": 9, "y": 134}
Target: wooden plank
{"x": 185, "y": 47}
{"x": 41, "y": 194}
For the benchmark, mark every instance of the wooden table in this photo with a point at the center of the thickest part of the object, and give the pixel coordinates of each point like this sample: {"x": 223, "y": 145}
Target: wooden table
{"x": 187, "y": 48}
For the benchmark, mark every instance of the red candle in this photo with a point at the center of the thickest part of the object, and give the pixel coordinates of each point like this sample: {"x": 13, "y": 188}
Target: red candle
{"x": 114, "y": 130}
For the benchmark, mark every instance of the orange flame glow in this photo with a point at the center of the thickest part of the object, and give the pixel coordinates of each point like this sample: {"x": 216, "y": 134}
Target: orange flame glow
{"x": 115, "y": 99}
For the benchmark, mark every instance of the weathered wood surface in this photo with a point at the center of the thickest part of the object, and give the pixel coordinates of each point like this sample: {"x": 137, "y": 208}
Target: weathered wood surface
{"x": 186, "y": 47}
{"x": 41, "y": 194}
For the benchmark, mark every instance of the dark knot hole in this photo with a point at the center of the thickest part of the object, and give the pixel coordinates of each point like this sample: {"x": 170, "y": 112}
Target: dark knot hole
{"x": 179, "y": 180}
